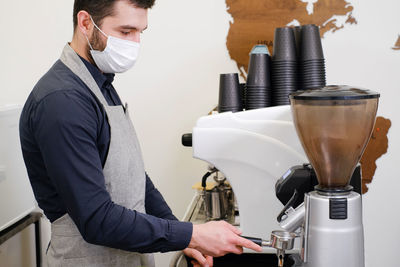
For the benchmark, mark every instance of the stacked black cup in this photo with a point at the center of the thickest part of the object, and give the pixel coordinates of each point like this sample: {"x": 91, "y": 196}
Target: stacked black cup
{"x": 258, "y": 85}
{"x": 230, "y": 94}
{"x": 284, "y": 66}
{"x": 312, "y": 62}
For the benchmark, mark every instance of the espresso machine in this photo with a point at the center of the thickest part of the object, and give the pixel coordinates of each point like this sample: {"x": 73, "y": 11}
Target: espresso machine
{"x": 254, "y": 148}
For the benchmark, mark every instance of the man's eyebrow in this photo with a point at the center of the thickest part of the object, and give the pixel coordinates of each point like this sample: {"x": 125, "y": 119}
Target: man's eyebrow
{"x": 129, "y": 27}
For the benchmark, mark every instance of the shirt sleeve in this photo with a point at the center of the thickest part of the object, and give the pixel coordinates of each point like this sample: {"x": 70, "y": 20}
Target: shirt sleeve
{"x": 155, "y": 204}
{"x": 65, "y": 126}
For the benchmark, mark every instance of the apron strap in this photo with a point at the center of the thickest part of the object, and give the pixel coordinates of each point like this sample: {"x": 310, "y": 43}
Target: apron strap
{"x": 75, "y": 64}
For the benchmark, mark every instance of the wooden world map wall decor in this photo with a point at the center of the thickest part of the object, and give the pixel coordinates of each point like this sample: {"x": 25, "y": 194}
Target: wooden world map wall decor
{"x": 397, "y": 44}
{"x": 377, "y": 146}
{"x": 254, "y": 22}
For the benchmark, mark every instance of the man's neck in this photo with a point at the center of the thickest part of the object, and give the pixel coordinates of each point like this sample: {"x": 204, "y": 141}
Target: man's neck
{"x": 80, "y": 49}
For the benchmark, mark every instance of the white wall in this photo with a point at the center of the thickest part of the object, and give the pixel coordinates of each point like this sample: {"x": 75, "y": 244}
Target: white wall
{"x": 176, "y": 81}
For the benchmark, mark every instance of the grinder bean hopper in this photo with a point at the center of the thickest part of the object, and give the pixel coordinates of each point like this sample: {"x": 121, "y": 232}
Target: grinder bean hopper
{"x": 334, "y": 125}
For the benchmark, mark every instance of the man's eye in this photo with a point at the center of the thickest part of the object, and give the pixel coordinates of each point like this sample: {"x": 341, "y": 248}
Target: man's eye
{"x": 125, "y": 33}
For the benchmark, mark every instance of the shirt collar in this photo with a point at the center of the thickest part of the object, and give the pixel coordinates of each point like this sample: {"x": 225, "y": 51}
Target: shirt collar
{"x": 100, "y": 78}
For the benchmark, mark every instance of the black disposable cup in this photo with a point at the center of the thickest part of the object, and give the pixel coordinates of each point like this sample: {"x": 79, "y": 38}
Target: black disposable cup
{"x": 264, "y": 99}
{"x": 313, "y": 63}
{"x": 313, "y": 73}
{"x": 286, "y": 74}
{"x": 259, "y": 70}
{"x": 311, "y": 47}
{"x": 258, "y": 101}
{"x": 284, "y": 45}
{"x": 311, "y": 78}
{"x": 284, "y": 62}
{"x": 229, "y": 92}
{"x": 314, "y": 85}
{"x": 221, "y": 110}
{"x": 242, "y": 89}
{"x": 283, "y": 90}
{"x": 306, "y": 72}
{"x": 281, "y": 99}
{"x": 250, "y": 96}
{"x": 286, "y": 88}
{"x": 284, "y": 69}
{"x": 297, "y": 38}
{"x": 305, "y": 62}
{"x": 259, "y": 98}
{"x": 254, "y": 93}
{"x": 280, "y": 92}
{"x": 313, "y": 69}
{"x": 251, "y": 90}
{"x": 258, "y": 104}
{"x": 313, "y": 66}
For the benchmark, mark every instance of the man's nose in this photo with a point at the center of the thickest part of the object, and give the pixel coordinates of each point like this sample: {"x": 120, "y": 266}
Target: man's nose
{"x": 136, "y": 37}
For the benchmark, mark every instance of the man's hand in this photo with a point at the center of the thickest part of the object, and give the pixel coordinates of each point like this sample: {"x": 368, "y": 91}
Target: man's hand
{"x": 201, "y": 260}
{"x": 219, "y": 238}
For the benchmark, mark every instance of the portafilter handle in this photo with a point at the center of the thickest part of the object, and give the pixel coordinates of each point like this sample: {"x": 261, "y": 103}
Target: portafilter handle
{"x": 280, "y": 240}
{"x": 258, "y": 241}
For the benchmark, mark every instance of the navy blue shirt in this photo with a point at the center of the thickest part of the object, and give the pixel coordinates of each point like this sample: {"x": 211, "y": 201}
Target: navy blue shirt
{"x": 65, "y": 138}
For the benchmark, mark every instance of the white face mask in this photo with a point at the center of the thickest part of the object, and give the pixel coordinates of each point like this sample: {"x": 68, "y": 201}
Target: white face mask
{"x": 118, "y": 56}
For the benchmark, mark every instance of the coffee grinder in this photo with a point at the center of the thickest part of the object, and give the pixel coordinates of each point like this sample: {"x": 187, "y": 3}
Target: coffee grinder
{"x": 334, "y": 125}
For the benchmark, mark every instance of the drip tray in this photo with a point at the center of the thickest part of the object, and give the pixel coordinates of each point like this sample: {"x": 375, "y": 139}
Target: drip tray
{"x": 249, "y": 259}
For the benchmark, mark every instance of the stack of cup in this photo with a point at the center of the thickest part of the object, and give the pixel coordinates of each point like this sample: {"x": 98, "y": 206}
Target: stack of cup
{"x": 312, "y": 62}
{"x": 284, "y": 66}
{"x": 230, "y": 95}
{"x": 242, "y": 88}
{"x": 258, "y": 85}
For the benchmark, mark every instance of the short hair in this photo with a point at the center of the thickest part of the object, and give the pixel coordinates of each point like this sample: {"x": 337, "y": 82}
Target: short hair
{"x": 99, "y": 9}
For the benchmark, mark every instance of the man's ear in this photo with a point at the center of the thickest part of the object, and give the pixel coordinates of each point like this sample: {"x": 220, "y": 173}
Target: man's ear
{"x": 85, "y": 25}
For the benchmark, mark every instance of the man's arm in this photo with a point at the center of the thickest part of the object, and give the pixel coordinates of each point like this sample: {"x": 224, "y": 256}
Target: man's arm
{"x": 155, "y": 203}
{"x": 65, "y": 126}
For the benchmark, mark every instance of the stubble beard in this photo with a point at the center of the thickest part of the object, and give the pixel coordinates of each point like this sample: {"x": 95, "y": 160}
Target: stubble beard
{"x": 97, "y": 44}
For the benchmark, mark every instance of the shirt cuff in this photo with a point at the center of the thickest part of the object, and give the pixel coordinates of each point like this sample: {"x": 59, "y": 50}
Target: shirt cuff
{"x": 179, "y": 234}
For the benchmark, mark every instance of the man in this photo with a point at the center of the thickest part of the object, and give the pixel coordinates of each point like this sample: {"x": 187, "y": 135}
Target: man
{"x": 84, "y": 161}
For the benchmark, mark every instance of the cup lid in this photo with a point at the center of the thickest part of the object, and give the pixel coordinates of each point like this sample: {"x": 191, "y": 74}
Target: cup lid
{"x": 334, "y": 92}
{"x": 259, "y": 49}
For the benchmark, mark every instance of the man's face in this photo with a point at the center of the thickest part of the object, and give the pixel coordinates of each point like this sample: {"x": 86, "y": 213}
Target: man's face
{"x": 127, "y": 23}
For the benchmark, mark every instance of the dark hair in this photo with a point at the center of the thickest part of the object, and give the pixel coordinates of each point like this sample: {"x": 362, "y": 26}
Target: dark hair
{"x": 99, "y": 9}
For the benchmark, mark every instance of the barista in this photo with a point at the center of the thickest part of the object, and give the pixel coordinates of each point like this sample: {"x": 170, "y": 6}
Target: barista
{"x": 84, "y": 161}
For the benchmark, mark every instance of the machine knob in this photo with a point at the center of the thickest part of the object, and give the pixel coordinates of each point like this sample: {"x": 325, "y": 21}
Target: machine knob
{"x": 187, "y": 139}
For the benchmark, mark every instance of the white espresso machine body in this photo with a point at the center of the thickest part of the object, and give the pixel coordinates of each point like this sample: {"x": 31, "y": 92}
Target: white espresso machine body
{"x": 253, "y": 149}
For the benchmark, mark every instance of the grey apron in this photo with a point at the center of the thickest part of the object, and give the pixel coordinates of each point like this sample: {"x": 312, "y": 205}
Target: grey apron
{"x": 125, "y": 180}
